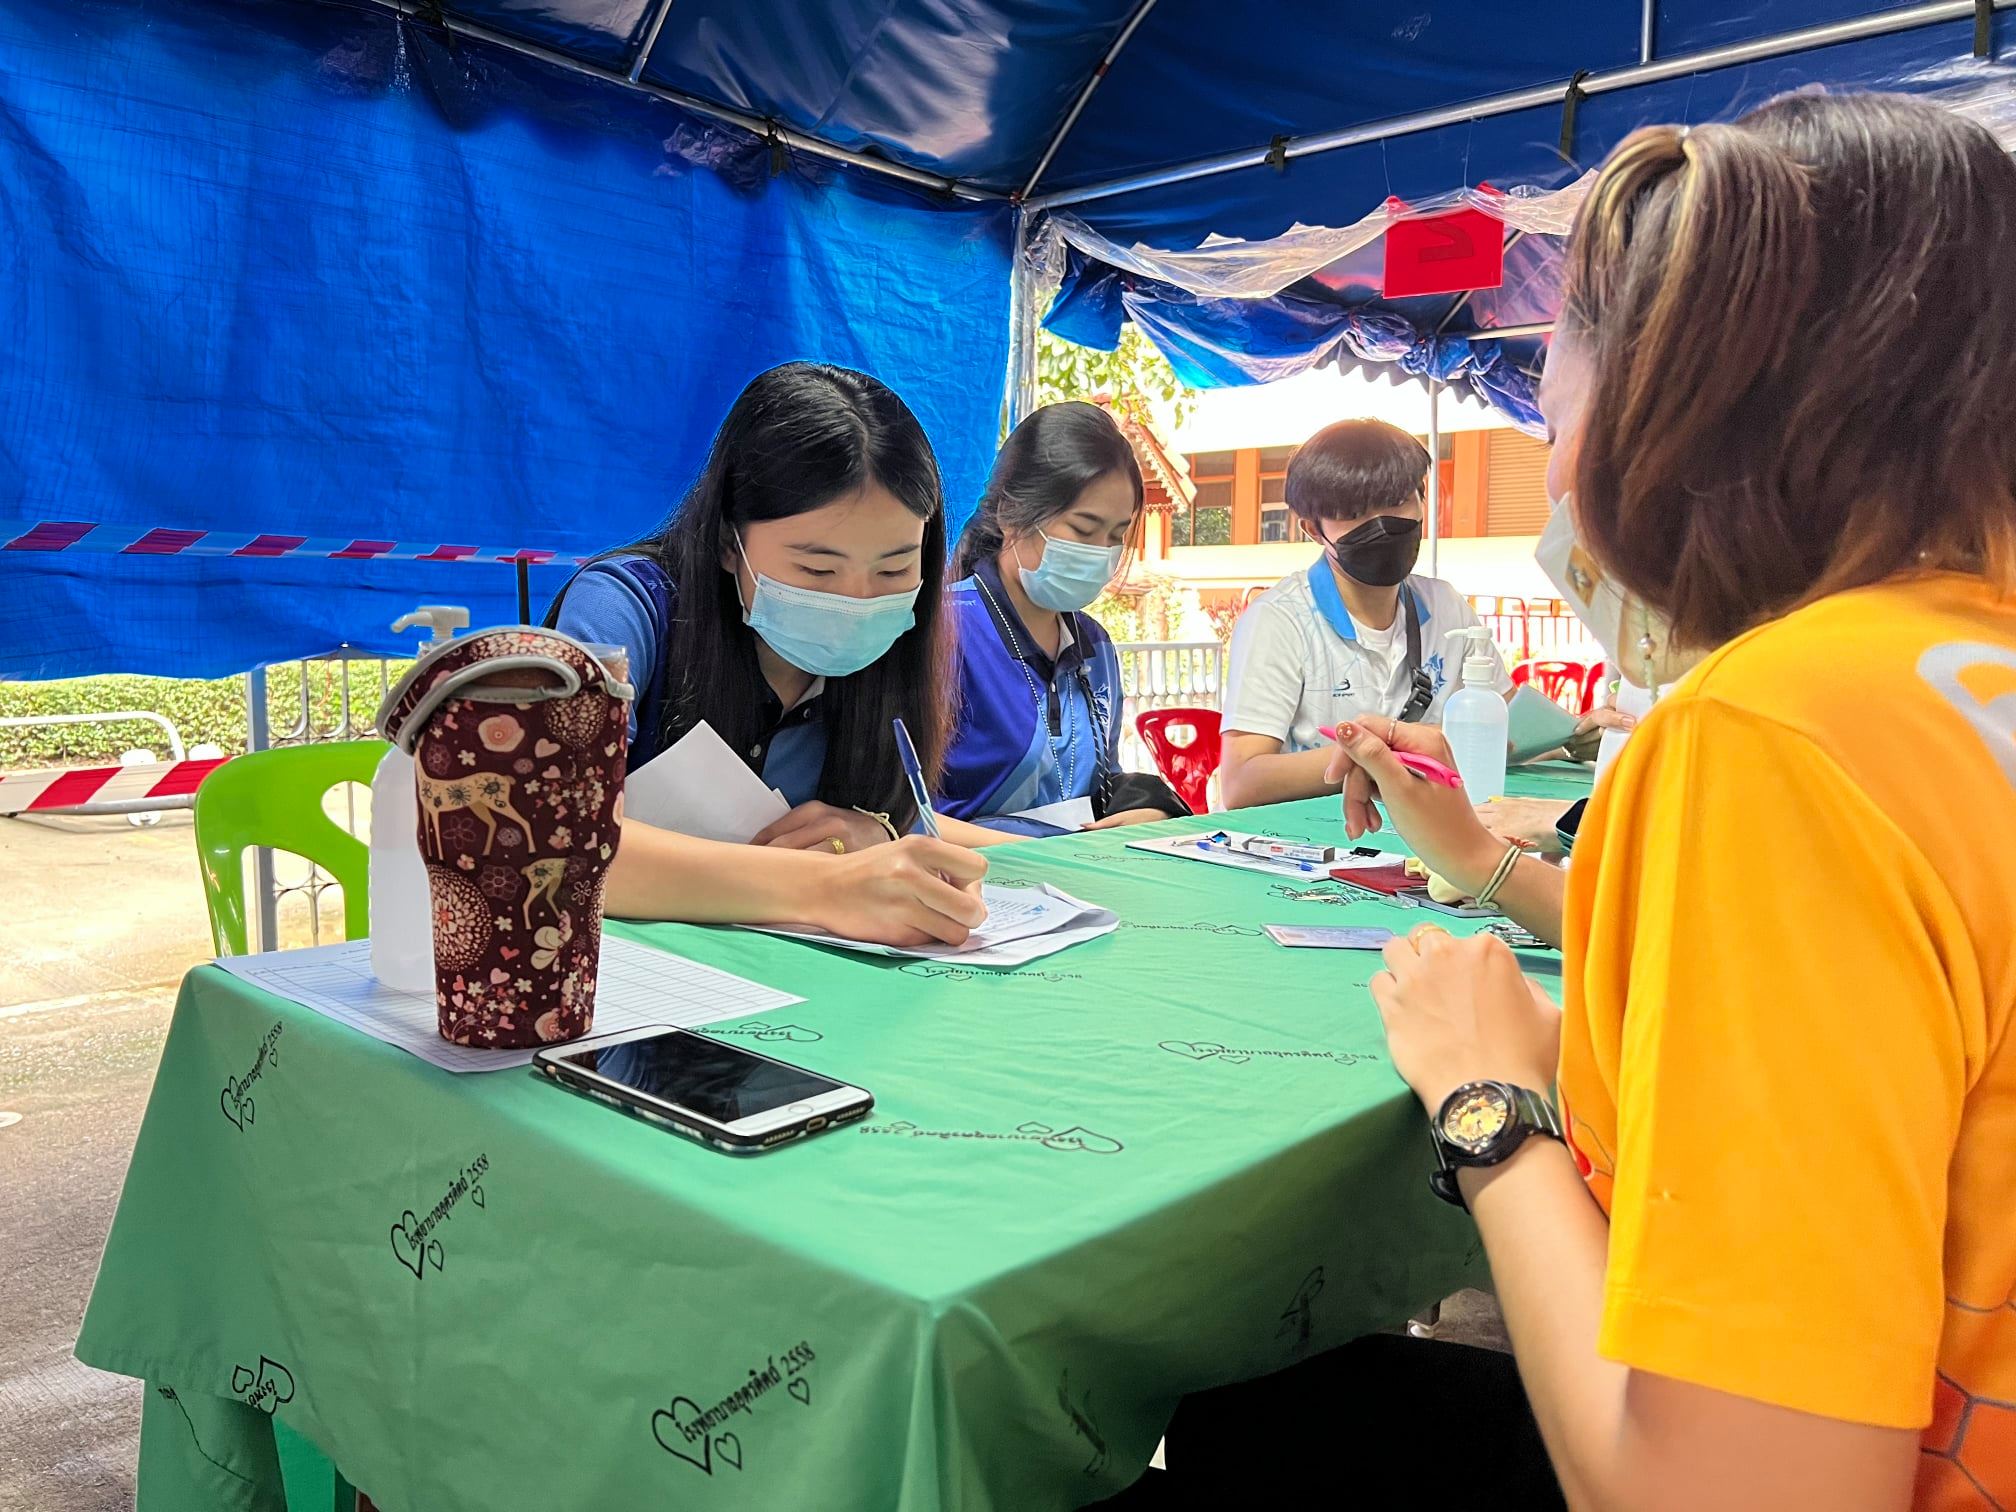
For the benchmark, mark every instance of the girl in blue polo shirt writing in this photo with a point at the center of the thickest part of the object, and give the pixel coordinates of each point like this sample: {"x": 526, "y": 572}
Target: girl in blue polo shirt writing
{"x": 1039, "y": 711}
{"x": 794, "y": 603}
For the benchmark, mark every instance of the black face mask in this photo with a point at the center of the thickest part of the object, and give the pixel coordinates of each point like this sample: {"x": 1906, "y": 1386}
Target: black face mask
{"x": 1381, "y": 552}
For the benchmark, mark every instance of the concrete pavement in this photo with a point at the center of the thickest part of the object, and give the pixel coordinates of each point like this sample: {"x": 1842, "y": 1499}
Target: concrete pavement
{"x": 102, "y": 921}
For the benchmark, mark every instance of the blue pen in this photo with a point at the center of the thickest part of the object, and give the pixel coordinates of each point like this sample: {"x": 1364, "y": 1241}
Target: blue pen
{"x": 913, "y": 772}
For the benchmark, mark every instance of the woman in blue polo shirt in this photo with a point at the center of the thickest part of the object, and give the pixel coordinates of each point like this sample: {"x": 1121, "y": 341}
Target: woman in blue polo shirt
{"x": 1039, "y": 712}
{"x": 1356, "y": 637}
{"x": 793, "y": 603}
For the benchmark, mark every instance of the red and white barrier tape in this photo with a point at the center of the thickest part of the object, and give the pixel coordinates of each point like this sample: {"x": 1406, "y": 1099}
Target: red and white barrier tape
{"x": 85, "y": 788}
{"x": 134, "y": 540}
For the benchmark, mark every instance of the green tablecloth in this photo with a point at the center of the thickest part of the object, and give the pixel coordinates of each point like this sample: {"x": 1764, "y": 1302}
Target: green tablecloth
{"x": 1171, "y": 1158}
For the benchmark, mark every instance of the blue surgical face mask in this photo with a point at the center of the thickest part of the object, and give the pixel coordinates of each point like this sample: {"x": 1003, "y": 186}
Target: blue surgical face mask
{"x": 1071, "y": 574}
{"x": 826, "y": 634}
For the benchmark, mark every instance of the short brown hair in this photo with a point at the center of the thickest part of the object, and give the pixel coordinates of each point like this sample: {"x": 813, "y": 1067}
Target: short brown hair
{"x": 1802, "y": 332}
{"x": 1354, "y": 468}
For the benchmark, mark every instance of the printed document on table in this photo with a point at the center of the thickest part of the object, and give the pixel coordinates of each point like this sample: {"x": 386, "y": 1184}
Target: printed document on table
{"x": 1198, "y": 847}
{"x": 1071, "y": 814}
{"x": 1024, "y": 924}
{"x": 699, "y": 787}
{"x": 638, "y": 986}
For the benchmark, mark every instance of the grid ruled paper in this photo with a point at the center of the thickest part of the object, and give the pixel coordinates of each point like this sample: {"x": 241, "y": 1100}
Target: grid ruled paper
{"x": 639, "y": 986}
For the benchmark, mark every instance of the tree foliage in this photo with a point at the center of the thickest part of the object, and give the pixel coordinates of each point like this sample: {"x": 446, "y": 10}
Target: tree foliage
{"x": 1133, "y": 374}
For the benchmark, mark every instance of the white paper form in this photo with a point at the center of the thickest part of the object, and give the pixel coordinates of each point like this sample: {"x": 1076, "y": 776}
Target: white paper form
{"x": 1071, "y": 814}
{"x": 638, "y": 986}
{"x": 1023, "y": 924}
{"x": 701, "y": 788}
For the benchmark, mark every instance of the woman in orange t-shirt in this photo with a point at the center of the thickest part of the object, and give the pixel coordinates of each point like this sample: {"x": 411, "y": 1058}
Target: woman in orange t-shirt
{"x": 1760, "y": 1251}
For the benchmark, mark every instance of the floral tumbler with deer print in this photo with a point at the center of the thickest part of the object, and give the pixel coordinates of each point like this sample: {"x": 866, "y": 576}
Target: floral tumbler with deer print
{"x": 519, "y": 739}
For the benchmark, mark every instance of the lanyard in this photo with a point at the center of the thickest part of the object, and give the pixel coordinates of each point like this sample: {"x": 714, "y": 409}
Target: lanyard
{"x": 1420, "y": 691}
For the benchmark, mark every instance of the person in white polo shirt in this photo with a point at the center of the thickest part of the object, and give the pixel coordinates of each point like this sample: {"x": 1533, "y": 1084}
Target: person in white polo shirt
{"x": 1355, "y": 637}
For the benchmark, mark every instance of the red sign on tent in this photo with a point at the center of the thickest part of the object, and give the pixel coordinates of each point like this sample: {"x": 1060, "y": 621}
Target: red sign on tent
{"x": 1444, "y": 254}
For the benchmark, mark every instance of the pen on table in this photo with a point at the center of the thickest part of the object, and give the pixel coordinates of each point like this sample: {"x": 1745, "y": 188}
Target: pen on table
{"x": 1425, "y": 767}
{"x": 913, "y": 773}
{"x": 1218, "y": 845}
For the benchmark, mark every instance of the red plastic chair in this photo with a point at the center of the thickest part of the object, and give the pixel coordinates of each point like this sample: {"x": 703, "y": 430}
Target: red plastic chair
{"x": 1563, "y": 681}
{"x": 1592, "y": 687}
{"x": 1184, "y": 743}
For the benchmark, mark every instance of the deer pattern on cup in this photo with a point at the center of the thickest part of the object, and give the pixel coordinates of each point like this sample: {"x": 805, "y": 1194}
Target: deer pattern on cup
{"x": 545, "y": 878}
{"x": 486, "y": 794}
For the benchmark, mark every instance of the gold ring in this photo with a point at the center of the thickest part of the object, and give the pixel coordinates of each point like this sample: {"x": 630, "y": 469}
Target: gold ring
{"x": 839, "y": 845}
{"x": 1414, "y": 935}
{"x": 1392, "y": 729}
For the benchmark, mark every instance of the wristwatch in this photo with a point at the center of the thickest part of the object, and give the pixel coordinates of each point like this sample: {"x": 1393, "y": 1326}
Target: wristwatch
{"x": 1482, "y": 1123}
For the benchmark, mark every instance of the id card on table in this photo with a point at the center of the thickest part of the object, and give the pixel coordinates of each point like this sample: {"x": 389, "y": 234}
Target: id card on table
{"x": 1329, "y": 936}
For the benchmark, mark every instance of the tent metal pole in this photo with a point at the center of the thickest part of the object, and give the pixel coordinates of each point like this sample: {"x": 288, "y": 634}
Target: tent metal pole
{"x": 771, "y": 130}
{"x": 1457, "y": 308}
{"x": 259, "y": 737}
{"x": 1084, "y": 95}
{"x": 658, "y": 25}
{"x": 1507, "y": 333}
{"x": 1021, "y": 395}
{"x": 1648, "y": 30}
{"x": 1434, "y": 473}
{"x": 1883, "y": 24}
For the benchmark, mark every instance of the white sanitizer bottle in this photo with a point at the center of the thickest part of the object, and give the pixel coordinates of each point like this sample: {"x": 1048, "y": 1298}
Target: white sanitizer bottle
{"x": 402, "y": 926}
{"x": 1474, "y": 719}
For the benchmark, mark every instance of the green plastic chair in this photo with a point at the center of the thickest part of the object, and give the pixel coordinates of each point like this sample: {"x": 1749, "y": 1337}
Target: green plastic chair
{"x": 274, "y": 799}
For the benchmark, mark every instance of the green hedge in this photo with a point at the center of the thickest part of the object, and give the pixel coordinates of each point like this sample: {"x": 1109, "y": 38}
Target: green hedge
{"x": 201, "y": 711}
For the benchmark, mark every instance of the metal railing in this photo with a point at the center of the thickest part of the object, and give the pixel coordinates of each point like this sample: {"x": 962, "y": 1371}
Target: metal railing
{"x": 1165, "y": 675}
{"x": 362, "y": 681}
{"x": 1534, "y": 629}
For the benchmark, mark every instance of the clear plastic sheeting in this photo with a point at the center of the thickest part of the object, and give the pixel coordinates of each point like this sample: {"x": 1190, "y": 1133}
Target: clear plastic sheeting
{"x": 1215, "y": 342}
{"x": 1231, "y": 310}
{"x": 1231, "y": 268}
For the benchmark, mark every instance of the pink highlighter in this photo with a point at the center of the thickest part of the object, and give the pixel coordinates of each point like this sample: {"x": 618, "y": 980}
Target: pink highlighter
{"x": 1425, "y": 767}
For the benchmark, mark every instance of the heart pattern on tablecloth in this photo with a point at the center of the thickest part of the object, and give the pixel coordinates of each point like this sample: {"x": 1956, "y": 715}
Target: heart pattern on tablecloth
{"x": 699, "y": 1451}
{"x": 414, "y": 1253}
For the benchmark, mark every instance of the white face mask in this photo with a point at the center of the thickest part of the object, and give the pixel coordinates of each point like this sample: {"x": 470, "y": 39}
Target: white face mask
{"x": 1636, "y": 639}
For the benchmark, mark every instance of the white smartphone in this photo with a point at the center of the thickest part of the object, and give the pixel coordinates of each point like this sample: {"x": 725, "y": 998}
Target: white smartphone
{"x": 718, "y": 1094}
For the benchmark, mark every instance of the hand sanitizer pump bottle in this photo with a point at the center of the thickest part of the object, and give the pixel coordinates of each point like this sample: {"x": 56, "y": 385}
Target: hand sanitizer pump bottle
{"x": 402, "y": 933}
{"x": 1474, "y": 719}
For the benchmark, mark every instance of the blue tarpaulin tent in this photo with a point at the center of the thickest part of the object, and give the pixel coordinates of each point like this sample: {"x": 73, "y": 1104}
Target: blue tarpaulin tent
{"x": 311, "y": 300}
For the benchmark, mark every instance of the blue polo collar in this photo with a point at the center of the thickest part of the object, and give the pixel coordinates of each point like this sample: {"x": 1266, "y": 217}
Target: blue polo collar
{"x": 1330, "y": 602}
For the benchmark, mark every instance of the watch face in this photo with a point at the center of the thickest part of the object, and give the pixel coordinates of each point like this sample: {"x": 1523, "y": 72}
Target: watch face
{"x": 1475, "y": 1117}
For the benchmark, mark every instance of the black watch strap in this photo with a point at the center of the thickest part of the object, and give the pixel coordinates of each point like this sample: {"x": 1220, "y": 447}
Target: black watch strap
{"x": 1532, "y": 1113}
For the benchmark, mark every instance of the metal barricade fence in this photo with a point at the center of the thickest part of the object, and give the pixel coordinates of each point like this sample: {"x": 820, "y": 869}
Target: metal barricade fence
{"x": 1165, "y": 675}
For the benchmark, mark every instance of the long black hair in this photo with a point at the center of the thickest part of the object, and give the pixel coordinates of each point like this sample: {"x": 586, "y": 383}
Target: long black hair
{"x": 797, "y": 438}
{"x": 1047, "y": 461}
